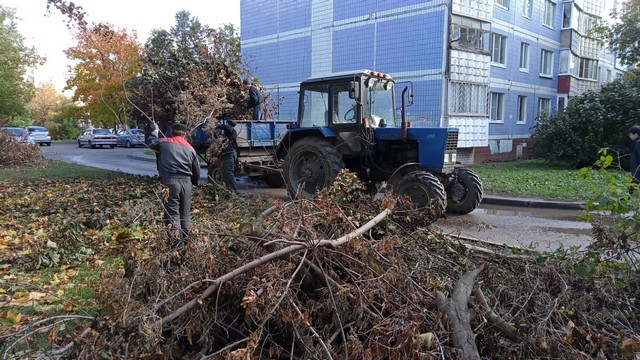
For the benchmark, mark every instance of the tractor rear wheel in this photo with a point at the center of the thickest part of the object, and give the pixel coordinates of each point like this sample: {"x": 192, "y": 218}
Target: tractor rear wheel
{"x": 274, "y": 180}
{"x": 464, "y": 193}
{"x": 425, "y": 191}
{"x": 311, "y": 164}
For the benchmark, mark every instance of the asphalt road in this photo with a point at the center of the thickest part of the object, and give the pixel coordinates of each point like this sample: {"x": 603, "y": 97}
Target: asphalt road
{"x": 543, "y": 229}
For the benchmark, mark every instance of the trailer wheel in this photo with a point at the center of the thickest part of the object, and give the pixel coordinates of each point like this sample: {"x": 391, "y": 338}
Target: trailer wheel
{"x": 311, "y": 164}
{"x": 214, "y": 173}
{"x": 464, "y": 193}
{"x": 274, "y": 180}
{"x": 425, "y": 191}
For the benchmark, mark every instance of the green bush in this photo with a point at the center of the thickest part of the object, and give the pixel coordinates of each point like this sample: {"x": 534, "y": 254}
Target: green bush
{"x": 592, "y": 121}
{"x": 65, "y": 129}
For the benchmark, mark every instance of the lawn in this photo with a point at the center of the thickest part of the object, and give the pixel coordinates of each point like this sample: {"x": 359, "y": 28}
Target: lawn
{"x": 537, "y": 179}
{"x": 58, "y": 171}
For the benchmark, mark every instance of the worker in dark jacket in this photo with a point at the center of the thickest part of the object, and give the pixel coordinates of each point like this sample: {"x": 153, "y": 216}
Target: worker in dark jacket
{"x": 179, "y": 170}
{"x": 229, "y": 153}
{"x": 255, "y": 100}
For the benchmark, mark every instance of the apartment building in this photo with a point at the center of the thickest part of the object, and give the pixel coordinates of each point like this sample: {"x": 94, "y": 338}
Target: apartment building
{"x": 487, "y": 67}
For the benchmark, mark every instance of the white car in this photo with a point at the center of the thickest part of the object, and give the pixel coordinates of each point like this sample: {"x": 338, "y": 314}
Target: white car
{"x": 18, "y": 134}
{"x": 97, "y": 137}
{"x": 40, "y": 134}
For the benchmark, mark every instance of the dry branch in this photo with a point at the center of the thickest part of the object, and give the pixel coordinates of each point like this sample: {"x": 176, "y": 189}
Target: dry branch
{"x": 457, "y": 310}
{"x": 505, "y": 327}
{"x": 266, "y": 259}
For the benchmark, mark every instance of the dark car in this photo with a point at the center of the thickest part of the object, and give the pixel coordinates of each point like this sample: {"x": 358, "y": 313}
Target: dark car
{"x": 130, "y": 138}
{"x": 40, "y": 134}
{"x": 97, "y": 137}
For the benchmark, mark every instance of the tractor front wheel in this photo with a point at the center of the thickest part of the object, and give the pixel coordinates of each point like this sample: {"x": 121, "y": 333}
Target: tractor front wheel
{"x": 425, "y": 191}
{"x": 464, "y": 193}
{"x": 311, "y": 164}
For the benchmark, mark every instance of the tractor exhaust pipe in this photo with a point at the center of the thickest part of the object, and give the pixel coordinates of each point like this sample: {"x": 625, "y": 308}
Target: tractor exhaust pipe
{"x": 403, "y": 133}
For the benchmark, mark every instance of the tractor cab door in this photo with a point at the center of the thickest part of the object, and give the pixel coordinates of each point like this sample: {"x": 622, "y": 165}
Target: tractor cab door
{"x": 344, "y": 120}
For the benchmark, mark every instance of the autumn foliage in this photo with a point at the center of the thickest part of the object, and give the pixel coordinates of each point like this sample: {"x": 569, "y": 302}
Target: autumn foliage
{"x": 371, "y": 298}
{"x": 18, "y": 153}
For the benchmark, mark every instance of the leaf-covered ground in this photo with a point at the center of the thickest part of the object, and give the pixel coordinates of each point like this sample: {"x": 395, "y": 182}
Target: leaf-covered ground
{"x": 85, "y": 272}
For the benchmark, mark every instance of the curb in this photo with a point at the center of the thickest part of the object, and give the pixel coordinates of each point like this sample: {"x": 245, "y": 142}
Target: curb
{"x": 486, "y": 199}
{"x": 532, "y": 203}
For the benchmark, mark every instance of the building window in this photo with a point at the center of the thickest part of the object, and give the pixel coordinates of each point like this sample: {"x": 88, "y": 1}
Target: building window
{"x": 468, "y": 98}
{"x": 544, "y": 106}
{"x": 566, "y": 15}
{"x": 524, "y": 57}
{"x": 497, "y": 107}
{"x": 470, "y": 33}
{"x": 546, "y": 63}
{"x": 549, "y": 13}
{"x": 565, "y": 58}
{"x": 522, "y": 110}
{"x": 588, "y": 69}
{"x": 609, "y": 77}
{"x": 498, "y": 49}
{"x": 527, "y": 8}
{"x": 586, "y": 23}
{"x": 503, "y": 3}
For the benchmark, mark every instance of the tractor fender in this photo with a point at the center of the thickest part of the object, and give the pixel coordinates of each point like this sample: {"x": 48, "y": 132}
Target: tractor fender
{"x": 399, "y": 173}
{"x": 293, "y": 135}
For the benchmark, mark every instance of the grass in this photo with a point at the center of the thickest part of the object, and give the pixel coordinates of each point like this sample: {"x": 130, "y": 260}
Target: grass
{"x": 529, "y": 178}
{"x": 536, "y": 179}
{"x": 57, "y": 171}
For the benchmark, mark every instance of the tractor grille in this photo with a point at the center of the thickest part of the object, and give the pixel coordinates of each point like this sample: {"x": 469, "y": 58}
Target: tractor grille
{"x": 452, "y": 140}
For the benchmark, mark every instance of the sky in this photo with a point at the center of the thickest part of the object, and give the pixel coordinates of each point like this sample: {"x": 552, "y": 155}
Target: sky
{"x": 49, "y": 35}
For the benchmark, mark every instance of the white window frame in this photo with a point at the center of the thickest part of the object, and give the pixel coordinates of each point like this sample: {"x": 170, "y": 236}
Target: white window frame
{"x": 542, "y": 110}
{"x": 524, "y": 57}
{"x": 546, "y": 63}
{"x": 496, "y": 107}
{"x": 527, "y": 8}
{"x": 522, "y": 110}
{"x": 502, "y": 3}
{"x": 502, "y": 50}
{"x": 588, "y": 69}
{"x": 549, "y": 14}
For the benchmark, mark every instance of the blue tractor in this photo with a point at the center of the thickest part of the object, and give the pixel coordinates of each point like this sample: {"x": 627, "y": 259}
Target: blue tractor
{"x": 349, "y": 121}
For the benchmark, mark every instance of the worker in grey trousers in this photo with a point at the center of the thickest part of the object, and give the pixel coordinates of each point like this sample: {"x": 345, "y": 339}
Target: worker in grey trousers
{"x": 179, "y": 170}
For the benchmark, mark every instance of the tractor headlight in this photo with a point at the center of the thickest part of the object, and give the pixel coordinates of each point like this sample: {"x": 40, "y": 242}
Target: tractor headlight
{"x": 450, "y": 158}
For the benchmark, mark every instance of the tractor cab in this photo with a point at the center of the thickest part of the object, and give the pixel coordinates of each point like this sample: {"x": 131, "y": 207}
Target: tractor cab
{"x": 348, "y": 107}
{"x": 362, "y": 98}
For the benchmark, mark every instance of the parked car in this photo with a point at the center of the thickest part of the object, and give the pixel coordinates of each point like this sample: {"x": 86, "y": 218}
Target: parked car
{"x": 40, "y": 134}
{"x": 130, "y": 138}
{"x": 97, "y": 137}
{"x": 18, "y": 134}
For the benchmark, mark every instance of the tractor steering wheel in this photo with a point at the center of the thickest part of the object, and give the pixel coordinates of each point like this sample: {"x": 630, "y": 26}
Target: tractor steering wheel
{"x": 352, "y": 117}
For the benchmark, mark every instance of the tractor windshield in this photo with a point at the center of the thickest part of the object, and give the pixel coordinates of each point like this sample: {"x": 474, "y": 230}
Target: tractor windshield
{"x": 378, "y": 99}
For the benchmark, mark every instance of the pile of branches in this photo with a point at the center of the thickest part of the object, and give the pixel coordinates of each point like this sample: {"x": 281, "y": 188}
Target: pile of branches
{"x": 347, "y": 276}
{"x": 15, "y": 153}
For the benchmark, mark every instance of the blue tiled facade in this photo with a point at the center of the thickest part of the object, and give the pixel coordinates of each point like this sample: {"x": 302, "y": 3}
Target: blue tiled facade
{"x": 288, "y": 41}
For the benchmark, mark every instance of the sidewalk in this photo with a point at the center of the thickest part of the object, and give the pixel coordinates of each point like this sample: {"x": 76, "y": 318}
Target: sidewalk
{"x": 487, "y": 199}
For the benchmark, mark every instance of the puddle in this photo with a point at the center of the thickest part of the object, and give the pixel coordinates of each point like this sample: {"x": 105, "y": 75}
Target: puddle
{"x": 553, "y": 214}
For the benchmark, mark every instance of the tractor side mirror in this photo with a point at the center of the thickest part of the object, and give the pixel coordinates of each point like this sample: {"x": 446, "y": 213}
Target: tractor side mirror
{"x": 354, "y": 90}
